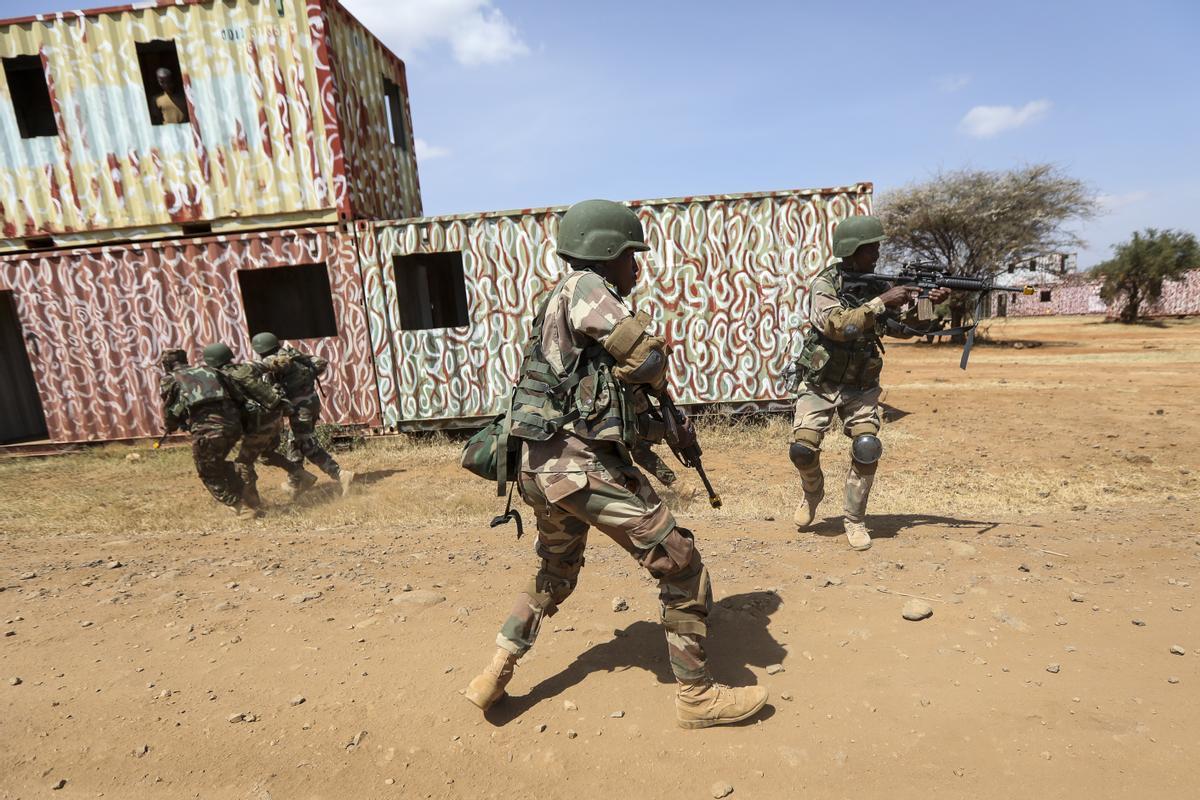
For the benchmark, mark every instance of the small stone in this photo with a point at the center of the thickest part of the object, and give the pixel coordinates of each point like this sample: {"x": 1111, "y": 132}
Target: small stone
{"x": 1054, "y": 668}
{"x": 236, "y": 718}
{"x": 419, "y": 599}
{"x": 721, "y": 789}
{"x": 1141, "y": 623}
{"x": 115, "y": 565}
{"x": 569, "y": 706}
{"x": 58, "y": 784}
{"x": 785, "y": 696}
{"x": 306, "y": 597}
{"x": 620, "y": 604}
{"x": 138, "y": 752}
{"x": 1177, "y": 650}
{"x": 916, "y": 610}
{"x": 133, "y": 456}
{"x": 224, "y": 605}
{"x": 1023, "y": 568}
{"x": 389, "y": 781}
{"x": 571, "y": 734}
{"x": 1076, "y": 597}
{"x": 774, "y": 669}
{"x": 831, "y": 580}
{"x": 28, "y": 576}
{"x": 298, "y": 700}
{"x": 541, "y": 728}
{"x": 617, "y": 714}
{"x": 406, "y": 587}
{"x": 15, "y": 681}
{"x": 1172, "y": 679}
{"x": 87, "y": 623}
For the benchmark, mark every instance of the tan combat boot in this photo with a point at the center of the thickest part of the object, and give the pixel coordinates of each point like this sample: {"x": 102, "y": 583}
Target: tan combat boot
{"x": 806, "y": 510}
{"x": 702, "y": 705}
{"x": 244, "y": 511}
{"x": 488, "y": 686}
{"x": 857, "y": 534}
{"x": 304, "y": 481}
{"x": 345, "y": 478}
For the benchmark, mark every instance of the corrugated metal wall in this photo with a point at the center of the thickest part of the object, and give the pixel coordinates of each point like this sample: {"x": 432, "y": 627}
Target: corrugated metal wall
{"x": 727, "y": 281}
{"x": 262, "y": 145}
{"x": 381, "y": 176}
{"x": 95, "y": 320}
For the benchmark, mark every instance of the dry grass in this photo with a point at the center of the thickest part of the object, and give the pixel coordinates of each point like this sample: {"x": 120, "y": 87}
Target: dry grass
{"x": 1008, "y": 444}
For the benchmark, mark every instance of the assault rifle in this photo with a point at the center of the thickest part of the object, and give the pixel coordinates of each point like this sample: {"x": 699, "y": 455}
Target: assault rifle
{"x": 681, "y": 438}
{"x": 860, "y": 287}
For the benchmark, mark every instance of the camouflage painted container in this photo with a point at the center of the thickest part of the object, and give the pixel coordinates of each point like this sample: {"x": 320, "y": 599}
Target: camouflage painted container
{"x": 93, "y": 321}
{"x": 727, "y": 280}
{"x": 286, "y": 123}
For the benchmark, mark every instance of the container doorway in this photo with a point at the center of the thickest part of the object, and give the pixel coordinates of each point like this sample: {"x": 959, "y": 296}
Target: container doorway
{"x": 21, "y": 416}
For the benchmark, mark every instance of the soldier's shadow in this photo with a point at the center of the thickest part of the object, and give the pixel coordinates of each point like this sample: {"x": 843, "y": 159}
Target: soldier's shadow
{"x": 887, "y": 526}
{"x": 327, "y": 491}
{"x": 738, "y": 638}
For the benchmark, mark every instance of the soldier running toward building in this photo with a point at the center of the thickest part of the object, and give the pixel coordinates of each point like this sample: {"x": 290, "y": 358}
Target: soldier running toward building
{"x": 842, "y": 361}
{"x": 264, "y": 409}
{"x": 298, "y": 375}
{"x": 202, "y": 400}
{"x": 573, "y": 406}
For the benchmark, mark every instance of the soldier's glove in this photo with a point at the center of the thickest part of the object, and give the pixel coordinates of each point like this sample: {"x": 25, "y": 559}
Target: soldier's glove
{"x": 641, "y": 357}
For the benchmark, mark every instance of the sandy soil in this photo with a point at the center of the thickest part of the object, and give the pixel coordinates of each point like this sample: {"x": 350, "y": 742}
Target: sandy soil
{"x": 1044, "y": 502}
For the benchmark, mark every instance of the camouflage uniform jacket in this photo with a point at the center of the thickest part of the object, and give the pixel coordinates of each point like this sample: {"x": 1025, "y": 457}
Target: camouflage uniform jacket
{"x": 261, "y": 403}
{"x": 296, "y": 372}
{"x": 830, "y": 316}
{"x": 582, "y": 311}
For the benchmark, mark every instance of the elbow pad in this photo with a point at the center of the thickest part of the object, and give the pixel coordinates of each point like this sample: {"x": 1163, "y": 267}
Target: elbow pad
{"x": 641, "y": 358}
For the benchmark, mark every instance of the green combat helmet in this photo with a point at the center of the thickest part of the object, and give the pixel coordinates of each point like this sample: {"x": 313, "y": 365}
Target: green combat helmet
{"x": 265, "y": 343}
{"x": 853, "y": 232}
{"x": 599, "y": 230}
{"x": 217, "y": 354}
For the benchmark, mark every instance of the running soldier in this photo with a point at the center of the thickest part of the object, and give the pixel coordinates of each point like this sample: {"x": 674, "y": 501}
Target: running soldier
{"x": 842, "y": 361}
{"x": 573, "y": 406}
{"x": 202, "y": 401}
{"x": 297, "y": 375}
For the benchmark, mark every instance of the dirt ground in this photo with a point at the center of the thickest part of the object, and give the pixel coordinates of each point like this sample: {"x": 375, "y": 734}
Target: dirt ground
{"x": 1044, "y": 502}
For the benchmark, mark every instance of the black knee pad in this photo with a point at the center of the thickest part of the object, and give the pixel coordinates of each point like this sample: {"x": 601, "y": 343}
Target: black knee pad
{"x": 802, "y": 455}
{"x": 866, "y": 449}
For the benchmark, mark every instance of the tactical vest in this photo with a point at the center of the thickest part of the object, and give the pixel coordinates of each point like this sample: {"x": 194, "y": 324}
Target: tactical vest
{"x": 199, "y": 385}
{"x": 587, "y": 397}
{"x": 857, "y": 364}
{"x": 299, "y": 375}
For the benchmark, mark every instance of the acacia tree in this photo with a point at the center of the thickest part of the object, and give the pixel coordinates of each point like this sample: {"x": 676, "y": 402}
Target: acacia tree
{"x": 1139, "y": 267}
{"x": 976, "y": 222}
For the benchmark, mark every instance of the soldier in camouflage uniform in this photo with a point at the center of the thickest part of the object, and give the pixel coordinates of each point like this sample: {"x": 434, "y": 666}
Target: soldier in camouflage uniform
{"x": 203, "y": 400}
{"x": 573, "y": 406}
{"x": 263, "y": 410}
{"x": 297, "y": 375}
{"x": 842, "y": 360}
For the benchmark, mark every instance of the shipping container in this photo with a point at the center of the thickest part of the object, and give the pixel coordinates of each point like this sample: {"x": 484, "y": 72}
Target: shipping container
{"x": 450, "y": 299}
{"x": 89, "y": 324}
{"x": 280, "y": 113}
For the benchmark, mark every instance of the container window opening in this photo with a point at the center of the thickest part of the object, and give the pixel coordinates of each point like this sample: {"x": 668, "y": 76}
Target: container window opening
{"x": 162, "y": 80}
{"x": 293, "y": 302}
{"x": 432, "y": 290}
{"x": 393, "y": 101}
{"x": 1045, "y": 296}
{"x": 30, "y": 94}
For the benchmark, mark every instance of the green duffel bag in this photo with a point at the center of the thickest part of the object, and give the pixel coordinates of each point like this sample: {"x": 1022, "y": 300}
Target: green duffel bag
{"x": 482, "y": 453}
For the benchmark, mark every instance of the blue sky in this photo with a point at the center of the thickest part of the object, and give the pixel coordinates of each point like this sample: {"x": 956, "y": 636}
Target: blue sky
{"x": 520, "y": 103}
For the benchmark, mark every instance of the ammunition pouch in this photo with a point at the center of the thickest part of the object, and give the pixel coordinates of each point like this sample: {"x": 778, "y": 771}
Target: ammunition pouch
{"x": 857, "y": 363}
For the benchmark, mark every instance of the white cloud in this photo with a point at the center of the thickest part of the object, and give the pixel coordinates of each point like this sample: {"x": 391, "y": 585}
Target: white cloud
{"x": 476, "y": 32}
{"x": 428, "y": 152}
{"x": 986, "y": 121}
{"x": 1111, "y": 202}
{"x": 952, "y": 83}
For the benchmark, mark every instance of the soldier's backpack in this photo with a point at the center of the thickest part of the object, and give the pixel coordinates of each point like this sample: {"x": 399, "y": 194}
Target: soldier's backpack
{"x": 199, "y": 385}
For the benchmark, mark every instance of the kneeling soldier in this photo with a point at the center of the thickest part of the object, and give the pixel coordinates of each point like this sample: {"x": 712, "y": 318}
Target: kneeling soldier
{"x": 573, "y": 407}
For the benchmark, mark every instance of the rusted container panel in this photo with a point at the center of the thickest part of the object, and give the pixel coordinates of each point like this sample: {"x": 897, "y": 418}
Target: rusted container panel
{"x": 94, "y": 321}
{"x": 727, "y": 279}
{"x": 262, "y": 144}
{"x": 380, "y": 151}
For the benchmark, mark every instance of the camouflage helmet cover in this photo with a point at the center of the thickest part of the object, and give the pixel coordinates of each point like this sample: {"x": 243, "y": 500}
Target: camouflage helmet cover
{"x": 172, "y": 357}
{"x": 853, "y": 232}
{"x": 599, "y": 230}
{"x": 217, "y": 354}
{"x": 265, "y": 343}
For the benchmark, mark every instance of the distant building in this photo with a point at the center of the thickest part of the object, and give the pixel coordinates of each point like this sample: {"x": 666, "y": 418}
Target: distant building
{"x": 1079, "y": 293}
{"x": 270, "y": 113}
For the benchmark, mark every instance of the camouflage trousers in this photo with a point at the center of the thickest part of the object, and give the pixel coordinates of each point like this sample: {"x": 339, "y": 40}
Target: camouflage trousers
{"x": 305, "y": 415}
{"x": 262, "y": 443}
{"x": 214, "y": 433}
{"x": 859, "y": 412}
{"x": 621, "y": 503}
